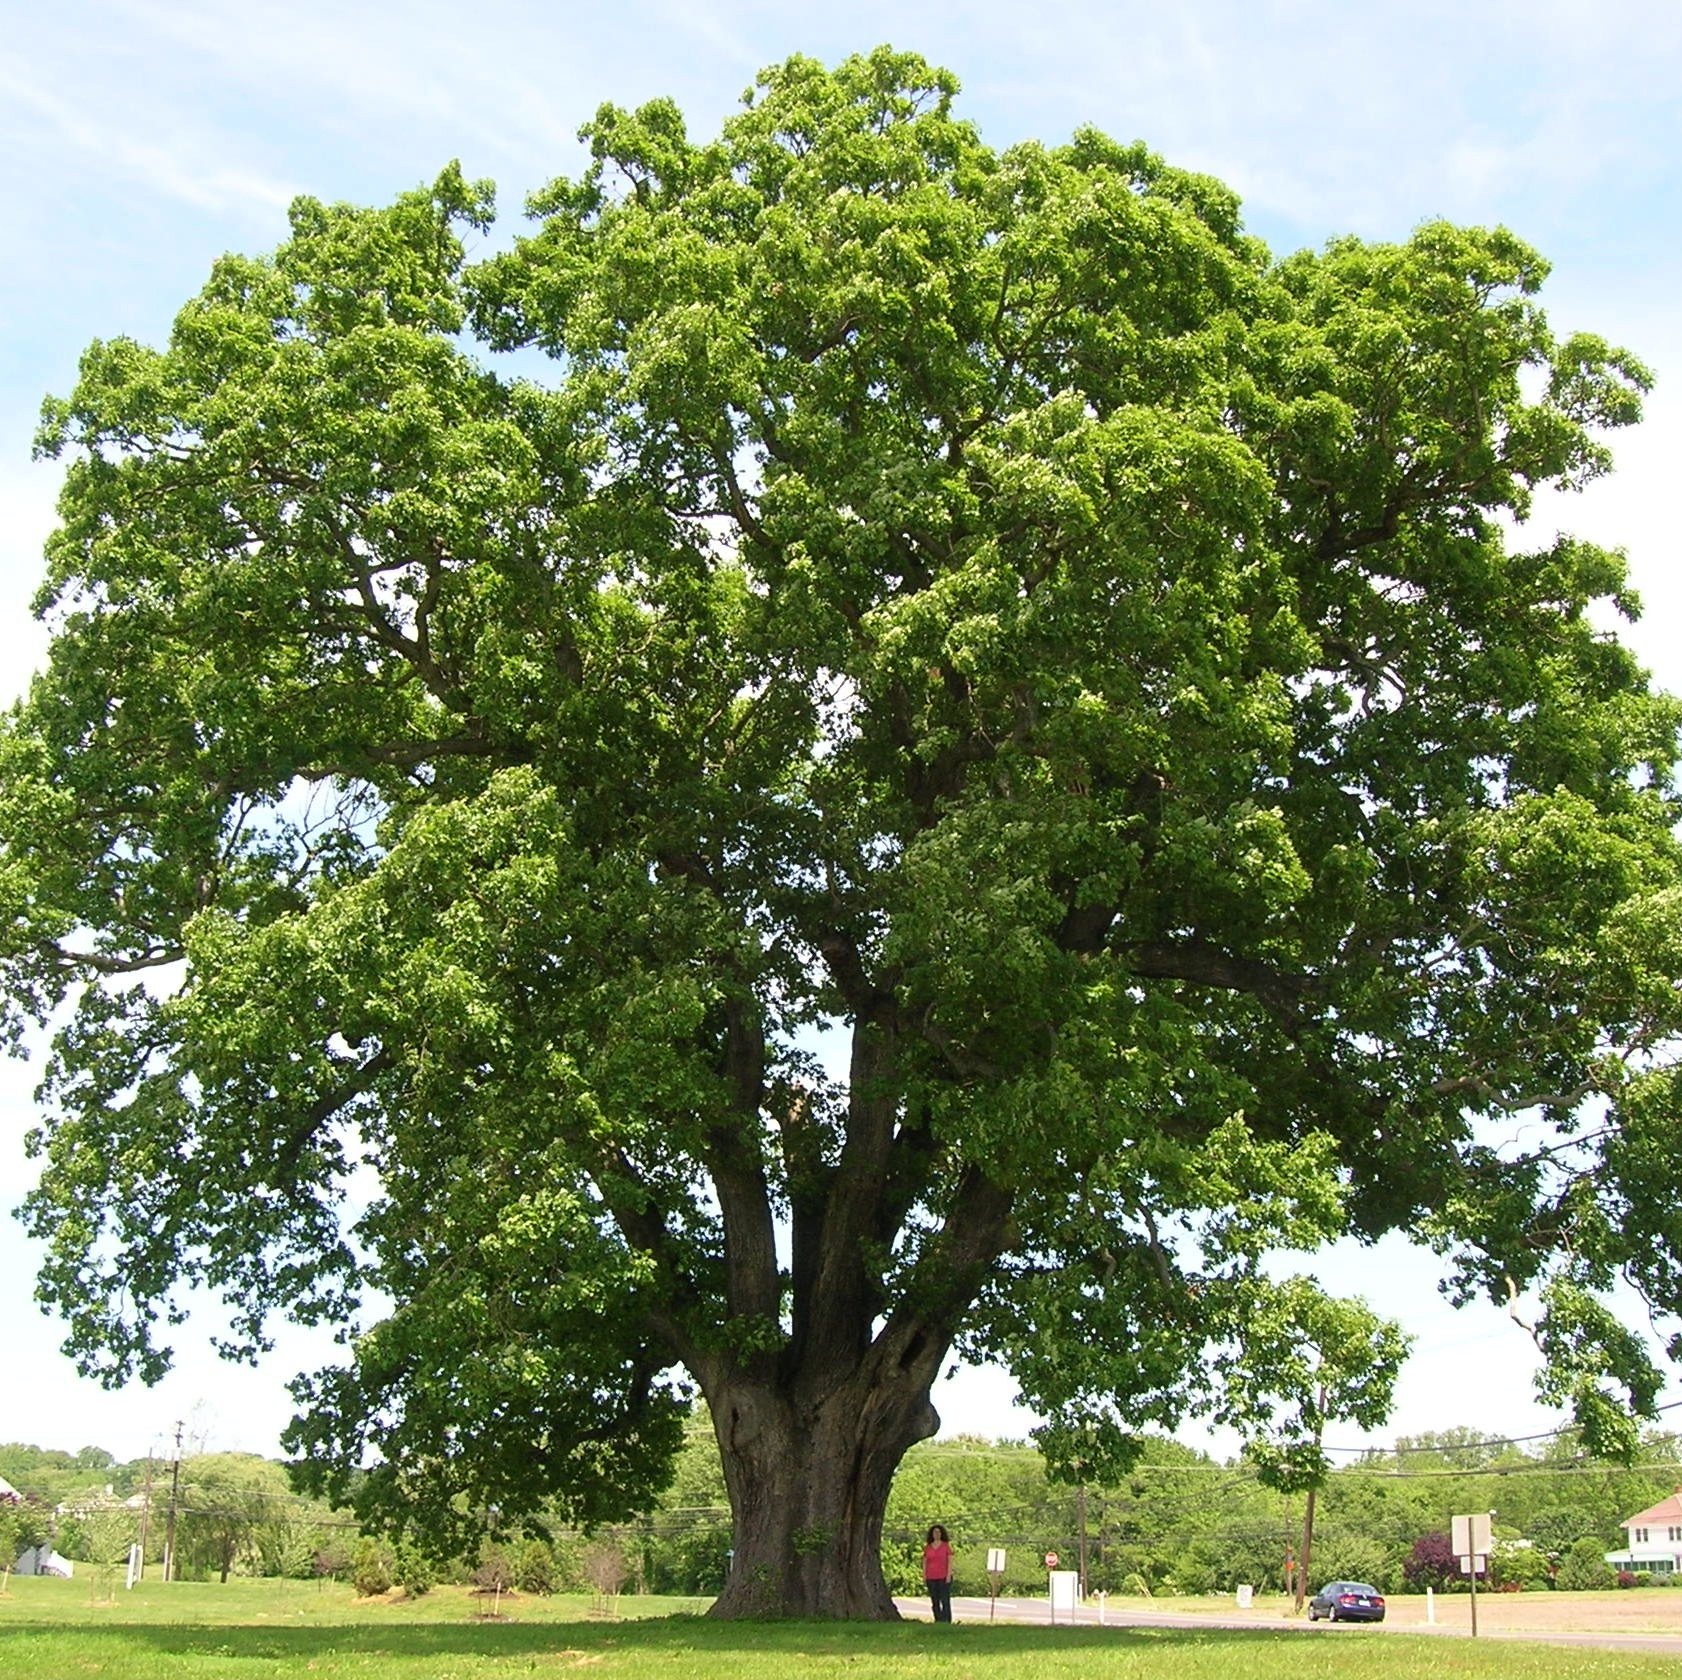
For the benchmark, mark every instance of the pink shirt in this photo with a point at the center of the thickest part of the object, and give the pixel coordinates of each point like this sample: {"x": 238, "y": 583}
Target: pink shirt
{"x": 937, "y": 1562}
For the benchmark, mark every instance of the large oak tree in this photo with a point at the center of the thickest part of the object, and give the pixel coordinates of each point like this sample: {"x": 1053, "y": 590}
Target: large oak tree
{"x": 975, "y": 608}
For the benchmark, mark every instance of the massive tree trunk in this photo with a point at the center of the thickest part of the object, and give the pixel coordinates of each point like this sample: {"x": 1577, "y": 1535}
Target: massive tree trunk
{"x": 813, "y": 1418}
{"x": 809, "y": 1482}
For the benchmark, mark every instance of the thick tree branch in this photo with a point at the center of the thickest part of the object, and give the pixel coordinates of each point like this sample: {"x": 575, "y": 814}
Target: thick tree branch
{"x": 154, "y": 956}
{"x": 738, "y": 1173}
{"x": 836, "y": 1300}
{"x": 357, "y": 1083}
{"x": 1204, "y": 964}
{"x": 917, "y": 1335}
{"x": 674, "y": 1298}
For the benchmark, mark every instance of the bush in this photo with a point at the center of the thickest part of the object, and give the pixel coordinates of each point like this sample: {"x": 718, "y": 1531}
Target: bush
{"x": 330, "y": 1561}
{"x": 415, "y": 1572}
{"x": 1431, "y": 1563}
{"x": 1351, "y": 1557}
{"x": 1192, "y": 1574}
{"x": 371, "y": 1570}
{"x": 534, "y": 1567}
{"x": 1628, "y": 1578}
{"x": 295, "y": 1558}
{"x": 1515, "y": 1567}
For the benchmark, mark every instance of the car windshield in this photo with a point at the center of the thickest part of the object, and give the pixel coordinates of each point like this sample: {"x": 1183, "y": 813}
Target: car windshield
{"x": 1353, "y": 1587}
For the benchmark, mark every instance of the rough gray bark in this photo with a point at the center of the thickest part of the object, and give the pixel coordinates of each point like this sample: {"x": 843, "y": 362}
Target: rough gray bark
{"x": 809, "y": 1481}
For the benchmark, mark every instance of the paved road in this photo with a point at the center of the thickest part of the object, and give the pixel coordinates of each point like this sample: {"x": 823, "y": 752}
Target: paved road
{"x": 1038, "y": 1610}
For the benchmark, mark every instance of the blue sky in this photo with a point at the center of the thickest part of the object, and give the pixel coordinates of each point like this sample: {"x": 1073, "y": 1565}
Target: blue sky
{"x": 142, "y": 138}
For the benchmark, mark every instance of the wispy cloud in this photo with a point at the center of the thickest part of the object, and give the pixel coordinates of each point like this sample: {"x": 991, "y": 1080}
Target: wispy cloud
{"x": 487, "y": 81}
{"x": 1362, "y": 118}
{"x": 185, "y": 171}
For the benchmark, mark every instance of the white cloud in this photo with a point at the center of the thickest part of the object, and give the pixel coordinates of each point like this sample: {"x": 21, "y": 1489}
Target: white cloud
{"x": 488, "y": 83}
{"x": 1365, "y": 118}
{"x": 177, "y": 171}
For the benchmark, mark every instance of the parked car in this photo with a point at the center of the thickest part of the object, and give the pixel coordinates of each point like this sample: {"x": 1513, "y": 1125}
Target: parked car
{"x": 1347, "y": 1601}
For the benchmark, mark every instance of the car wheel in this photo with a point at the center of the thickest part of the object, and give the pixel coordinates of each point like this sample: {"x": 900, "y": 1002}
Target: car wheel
{"x": 1331, "y": 1614}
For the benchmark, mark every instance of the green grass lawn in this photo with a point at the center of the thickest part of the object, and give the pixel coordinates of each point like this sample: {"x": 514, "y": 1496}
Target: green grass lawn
{"x": 277, "y": 1630}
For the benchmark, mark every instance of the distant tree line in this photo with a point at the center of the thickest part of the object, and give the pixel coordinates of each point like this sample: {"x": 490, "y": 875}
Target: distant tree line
{"x": 1179, "y": 1522}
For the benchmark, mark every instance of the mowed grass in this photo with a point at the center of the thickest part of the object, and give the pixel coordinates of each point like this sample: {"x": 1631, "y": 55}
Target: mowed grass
{"x": 263, "y": 1630}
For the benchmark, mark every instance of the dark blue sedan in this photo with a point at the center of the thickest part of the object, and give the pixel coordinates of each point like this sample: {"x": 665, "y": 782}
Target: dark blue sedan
{"x": 1347, "y": 1601}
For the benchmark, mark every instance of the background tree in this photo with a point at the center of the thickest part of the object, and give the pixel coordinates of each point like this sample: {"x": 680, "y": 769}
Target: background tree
{"x": 235, "y": 1509}
{"x": 494, "y": 1572}
{"x": 692, "y": 1551}
{"x": 973, "y": 604}
{"x": 605, "y": 1570}
{"x": 12, "y": 1544}
{"x": 1343, "y": 1556}
{"x": 48, "y": 1475}
{"x": 104, "y": 1535}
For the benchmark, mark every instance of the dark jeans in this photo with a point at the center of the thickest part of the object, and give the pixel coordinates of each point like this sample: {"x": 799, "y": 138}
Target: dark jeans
{"x": 940, "y": 1596}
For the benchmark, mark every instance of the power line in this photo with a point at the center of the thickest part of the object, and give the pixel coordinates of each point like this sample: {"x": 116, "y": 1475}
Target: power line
{"x": 1478, "y": 1446}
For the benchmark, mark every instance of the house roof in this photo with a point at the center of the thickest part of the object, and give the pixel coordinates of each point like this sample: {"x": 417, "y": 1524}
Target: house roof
{"x": 1666, "y": 1511}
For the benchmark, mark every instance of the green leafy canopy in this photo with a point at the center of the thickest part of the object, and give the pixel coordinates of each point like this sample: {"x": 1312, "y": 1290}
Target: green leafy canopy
{"x": 975, "y": 603}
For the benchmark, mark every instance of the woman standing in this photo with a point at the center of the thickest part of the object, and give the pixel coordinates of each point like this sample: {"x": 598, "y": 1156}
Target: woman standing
{"x": 937, "y": 1572}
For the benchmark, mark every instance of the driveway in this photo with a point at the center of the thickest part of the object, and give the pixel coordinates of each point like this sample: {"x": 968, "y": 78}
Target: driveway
{"x": 1038, "y": 1610}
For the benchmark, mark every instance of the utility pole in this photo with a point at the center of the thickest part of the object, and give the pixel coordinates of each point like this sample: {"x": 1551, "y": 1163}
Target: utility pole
{"x": 146, "y": 1508}
{"x": 1307, "y": 1545}
{"x": 1308, "y": 1503}
{"x": 1080, "y": 1508}
{"x": 174, "y": 1496}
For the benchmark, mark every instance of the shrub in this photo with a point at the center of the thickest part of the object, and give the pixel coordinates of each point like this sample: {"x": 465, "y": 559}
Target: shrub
{"x": 295, "y": 1557}
{"x": 1628, "y": 1578}
{"x": 1192, "y": 1574}
{"x": 1515, "y": 1567}
{"x": 330, "y": 1561}
{"x": 1431, "y": 1563}
{"x": 415, "y": 1572}
{"x": 371, "y": 1570}
{"x": 534, "y": 1567}
{"x": 1351, "y": 1557}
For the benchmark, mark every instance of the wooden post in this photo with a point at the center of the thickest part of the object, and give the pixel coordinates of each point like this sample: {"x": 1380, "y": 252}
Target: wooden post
{"x": 1308, "y": 1504}
{"x": 1307, "y": 1547}
{"x": 174, "y": 1495}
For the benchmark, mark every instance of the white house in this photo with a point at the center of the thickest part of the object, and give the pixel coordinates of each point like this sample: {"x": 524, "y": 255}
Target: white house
{"x": 1655, "y": 1540}
{"x": 43, "y": 1560}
